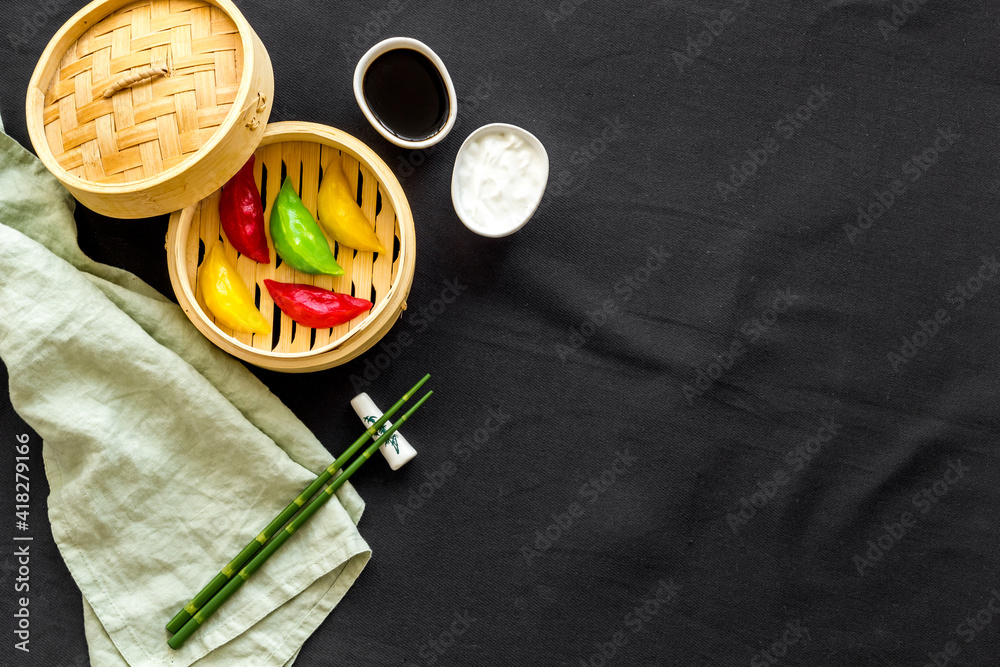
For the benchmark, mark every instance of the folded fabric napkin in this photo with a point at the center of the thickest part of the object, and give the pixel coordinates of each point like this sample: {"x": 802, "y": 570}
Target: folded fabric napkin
{"x": 164, "y": 455}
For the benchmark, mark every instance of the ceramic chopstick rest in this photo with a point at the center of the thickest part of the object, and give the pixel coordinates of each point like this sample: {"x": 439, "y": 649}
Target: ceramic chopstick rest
{"x": 397, "y": 451}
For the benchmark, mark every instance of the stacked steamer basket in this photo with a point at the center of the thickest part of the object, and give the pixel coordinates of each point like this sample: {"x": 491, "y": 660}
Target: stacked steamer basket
{"x": 149, "y": 107}
{"x": 302, "y": 151}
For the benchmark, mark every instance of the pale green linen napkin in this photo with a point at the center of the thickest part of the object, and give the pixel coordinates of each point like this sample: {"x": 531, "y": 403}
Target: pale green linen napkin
{"x": 164, "y": 455}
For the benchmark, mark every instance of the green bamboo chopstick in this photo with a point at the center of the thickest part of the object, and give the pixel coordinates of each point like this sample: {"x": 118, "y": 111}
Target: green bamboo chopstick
{"x": 261, "y": 557}
{"x": 235, "y": 565}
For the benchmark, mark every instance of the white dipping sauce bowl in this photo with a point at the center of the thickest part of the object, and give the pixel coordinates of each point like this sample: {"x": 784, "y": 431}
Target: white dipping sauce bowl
{"x": 392, "y": 44}
{"x": 456, "y": 199}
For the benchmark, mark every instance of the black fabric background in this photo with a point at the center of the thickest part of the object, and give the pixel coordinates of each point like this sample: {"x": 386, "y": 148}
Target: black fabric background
{"x": 655, "y": 183}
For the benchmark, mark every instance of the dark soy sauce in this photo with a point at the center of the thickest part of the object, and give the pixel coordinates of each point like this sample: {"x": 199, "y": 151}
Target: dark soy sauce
{"x": 407, "y": 94}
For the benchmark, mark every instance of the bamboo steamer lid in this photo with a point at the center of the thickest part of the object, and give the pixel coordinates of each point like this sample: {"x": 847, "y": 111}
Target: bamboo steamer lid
{"x": 143, "y": 108}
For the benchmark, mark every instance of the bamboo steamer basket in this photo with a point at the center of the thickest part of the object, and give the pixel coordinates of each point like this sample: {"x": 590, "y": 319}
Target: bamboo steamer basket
{"x": 302, "y": 151}
{"x": 141, "y": 108}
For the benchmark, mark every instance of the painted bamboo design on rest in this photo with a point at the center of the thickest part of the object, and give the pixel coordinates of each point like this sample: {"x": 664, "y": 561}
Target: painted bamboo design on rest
{"x": 393, "y": 441}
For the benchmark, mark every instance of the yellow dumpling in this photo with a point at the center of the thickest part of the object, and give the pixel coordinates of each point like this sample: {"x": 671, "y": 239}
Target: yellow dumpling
{"x": 226, "y": 295}
{"x": 339, "y": 213}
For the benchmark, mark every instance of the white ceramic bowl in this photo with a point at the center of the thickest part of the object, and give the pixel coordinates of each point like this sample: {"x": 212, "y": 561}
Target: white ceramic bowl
{"x": 405, "y": 43}
{"x": 456, "y": 201}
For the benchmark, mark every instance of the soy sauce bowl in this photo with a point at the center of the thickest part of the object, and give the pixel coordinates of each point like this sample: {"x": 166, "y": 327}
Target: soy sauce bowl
{"x": 392, "y": 44}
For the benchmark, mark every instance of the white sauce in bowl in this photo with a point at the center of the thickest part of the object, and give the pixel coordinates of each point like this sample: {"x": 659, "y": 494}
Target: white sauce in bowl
{"x": 500, "y": 176}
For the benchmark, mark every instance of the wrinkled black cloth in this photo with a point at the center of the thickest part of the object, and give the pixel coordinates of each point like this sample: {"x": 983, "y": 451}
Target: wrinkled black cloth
{"x": 730, "y": 398}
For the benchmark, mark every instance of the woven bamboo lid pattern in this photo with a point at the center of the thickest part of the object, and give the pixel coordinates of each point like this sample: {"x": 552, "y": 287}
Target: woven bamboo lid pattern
{"x": 142, "y": 90}
{"x": 144, "y": 107}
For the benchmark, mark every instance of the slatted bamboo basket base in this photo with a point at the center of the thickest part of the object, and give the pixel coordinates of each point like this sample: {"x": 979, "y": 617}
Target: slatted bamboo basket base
{"x": 302, "y": 151}
{"x": 143, "y": 107}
